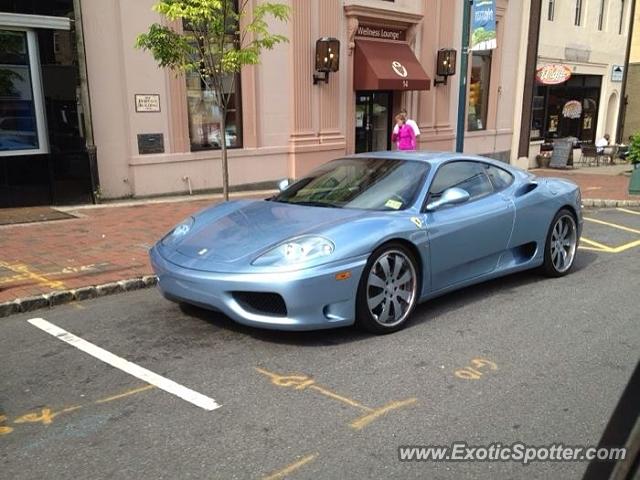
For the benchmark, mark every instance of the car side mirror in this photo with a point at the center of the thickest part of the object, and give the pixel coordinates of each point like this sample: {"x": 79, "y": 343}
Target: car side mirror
{"x": 283, "y": 184}
{"x": 451, "y": 196}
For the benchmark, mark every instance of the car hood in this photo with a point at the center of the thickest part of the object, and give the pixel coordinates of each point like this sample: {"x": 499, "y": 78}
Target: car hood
{"x": 238, "y": 233}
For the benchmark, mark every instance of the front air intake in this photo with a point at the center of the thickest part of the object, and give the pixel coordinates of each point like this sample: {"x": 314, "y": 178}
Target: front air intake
{"x": 262, "y": 303}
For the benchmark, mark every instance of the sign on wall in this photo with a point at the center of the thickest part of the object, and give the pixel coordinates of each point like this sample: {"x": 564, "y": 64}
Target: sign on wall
{"x": 149, "y": 143}
{"x": 483, "y": 25}
{"x": 553, "y": 74}
{"x": 617, "y": 73}
{"x": 376, "y": 31}
{"x": 147, "y": 102}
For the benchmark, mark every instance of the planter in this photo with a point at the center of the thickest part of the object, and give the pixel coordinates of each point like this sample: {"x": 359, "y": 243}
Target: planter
{"x": 543, "y": 161}
{"x": 634, "y": 182}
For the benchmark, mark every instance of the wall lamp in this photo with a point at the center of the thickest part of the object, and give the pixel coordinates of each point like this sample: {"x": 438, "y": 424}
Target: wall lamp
{"x": 327, "y": 58}
{"x": 445, "y": 66}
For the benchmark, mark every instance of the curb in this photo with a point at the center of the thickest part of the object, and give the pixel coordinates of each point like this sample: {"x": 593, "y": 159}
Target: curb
{"x": 54, "y": 299}
{"x": 595, "y": 202}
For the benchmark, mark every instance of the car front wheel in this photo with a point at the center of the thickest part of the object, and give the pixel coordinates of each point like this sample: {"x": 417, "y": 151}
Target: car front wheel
{"x": 388, "y": 289}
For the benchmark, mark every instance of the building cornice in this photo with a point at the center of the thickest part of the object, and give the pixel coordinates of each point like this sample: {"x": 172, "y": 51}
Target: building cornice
{"x": 383, "y": 14}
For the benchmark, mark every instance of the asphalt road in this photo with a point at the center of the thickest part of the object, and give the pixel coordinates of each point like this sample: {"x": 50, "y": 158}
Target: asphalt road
{"x": 555, "y": 356}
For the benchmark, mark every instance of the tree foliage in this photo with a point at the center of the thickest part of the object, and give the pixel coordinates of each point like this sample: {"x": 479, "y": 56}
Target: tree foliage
{"x": 214, "y": 38}
{"x": 217, "y": 41}
{"x": 634, "y": 148}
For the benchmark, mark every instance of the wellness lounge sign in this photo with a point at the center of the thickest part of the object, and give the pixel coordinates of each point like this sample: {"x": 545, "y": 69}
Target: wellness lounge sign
{"x": 483, "y": 25}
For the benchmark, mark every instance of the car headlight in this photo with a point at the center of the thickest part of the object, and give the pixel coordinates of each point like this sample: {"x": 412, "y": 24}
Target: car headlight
{"x": 178, "y": 232}
{"x": 296, "y": 251}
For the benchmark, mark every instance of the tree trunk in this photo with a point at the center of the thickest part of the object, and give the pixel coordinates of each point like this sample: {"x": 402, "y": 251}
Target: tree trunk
{"x": 223, "y": 146}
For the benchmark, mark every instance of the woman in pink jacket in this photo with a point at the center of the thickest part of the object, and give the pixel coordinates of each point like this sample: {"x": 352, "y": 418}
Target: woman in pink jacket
{"x": 405, "y": 138}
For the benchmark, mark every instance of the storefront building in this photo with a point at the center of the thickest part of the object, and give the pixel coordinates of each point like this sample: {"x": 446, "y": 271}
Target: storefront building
{"x": 632, "y": 112}
{"x": 580, "y": 71}
{"x": 43, "y": 129}
{"x": 157, "y": 133}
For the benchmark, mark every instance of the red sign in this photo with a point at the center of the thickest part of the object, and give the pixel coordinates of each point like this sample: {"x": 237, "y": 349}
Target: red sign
{"x": 553, "y": 74}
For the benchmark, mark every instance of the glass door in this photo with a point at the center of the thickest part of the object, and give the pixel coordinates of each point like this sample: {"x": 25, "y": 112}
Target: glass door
{"x": 373, "y": 121}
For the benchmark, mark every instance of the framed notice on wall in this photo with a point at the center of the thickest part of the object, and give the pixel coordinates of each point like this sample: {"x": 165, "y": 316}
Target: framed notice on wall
{"x": 147, "y": 102}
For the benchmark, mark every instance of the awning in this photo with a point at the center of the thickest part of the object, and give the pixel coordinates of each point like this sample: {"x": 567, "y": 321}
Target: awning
{"x": 380, "y": 65}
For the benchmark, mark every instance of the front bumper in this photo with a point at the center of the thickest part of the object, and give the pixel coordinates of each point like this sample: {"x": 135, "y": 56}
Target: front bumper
{"x": 313, "y": 297}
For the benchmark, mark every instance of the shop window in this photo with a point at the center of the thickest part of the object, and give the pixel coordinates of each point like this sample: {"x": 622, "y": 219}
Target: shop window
{"x": 538, "y": 113}
{"x": 621, "y": 24}
{"x": 205, "y": 116}
{"x": 567, "y": 110}
{"x": 601, "y": 14}
{"x": 551, "y": 12}
{"x": 479, "y": 90}
{"x": 22, "y": 128}
{"x": 578, "y": 13}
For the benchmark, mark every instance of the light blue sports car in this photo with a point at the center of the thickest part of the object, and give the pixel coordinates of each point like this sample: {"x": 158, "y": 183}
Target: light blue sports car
{"x": 364, "y": 238}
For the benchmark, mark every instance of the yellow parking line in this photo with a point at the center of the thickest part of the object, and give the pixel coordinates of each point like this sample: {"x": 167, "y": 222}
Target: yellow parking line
{"x": 125, "y": 394}
{"x": 613, "y": 225}
{"x": 365, "y": 420}
{"x": 291, "y": 468}
{"x": 597, "y": 245}
{"x": 24, "y": 270}
{"x": 626, "y": 246}
{"x": 633, "y": 212}
{"x": 591, "y": 249}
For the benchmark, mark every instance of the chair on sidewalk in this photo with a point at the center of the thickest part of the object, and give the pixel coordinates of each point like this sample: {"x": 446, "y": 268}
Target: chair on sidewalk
{"x": 589, "y": 155}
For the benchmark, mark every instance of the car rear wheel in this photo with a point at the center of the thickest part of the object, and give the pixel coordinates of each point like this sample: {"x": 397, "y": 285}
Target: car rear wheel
{"x": 561, "y": 245}
{"x": 388, "y": 289}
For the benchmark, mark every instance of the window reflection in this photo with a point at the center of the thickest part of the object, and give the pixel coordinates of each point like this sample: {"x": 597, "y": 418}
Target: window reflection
{"x": 479, "y": 90}
{"x": 17, "y": 116}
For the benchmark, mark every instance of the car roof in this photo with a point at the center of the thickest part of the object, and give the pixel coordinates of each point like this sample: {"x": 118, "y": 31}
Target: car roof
{"x": 432, "y": 157}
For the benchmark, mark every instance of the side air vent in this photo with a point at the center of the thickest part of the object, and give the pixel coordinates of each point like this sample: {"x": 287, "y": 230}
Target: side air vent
{"x": 527, "y": 188}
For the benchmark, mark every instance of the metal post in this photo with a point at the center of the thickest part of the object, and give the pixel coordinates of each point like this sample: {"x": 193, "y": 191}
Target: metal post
{"x": 85, "y": 102}
{"x": 622, "y": 111}
{"x": 464, "y": 62}
{"x": 529, "y": 77}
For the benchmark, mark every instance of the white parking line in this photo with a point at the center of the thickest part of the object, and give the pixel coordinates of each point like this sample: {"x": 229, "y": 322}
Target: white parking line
{"x": 137, "y": 371}
{"x": 628, "y": 211}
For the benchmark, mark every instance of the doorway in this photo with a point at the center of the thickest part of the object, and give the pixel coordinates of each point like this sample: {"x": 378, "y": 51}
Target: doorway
{"x": 373, "y": 120}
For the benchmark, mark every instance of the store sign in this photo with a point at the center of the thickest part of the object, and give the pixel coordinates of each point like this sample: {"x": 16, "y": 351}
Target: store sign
{"x": 399, "y": 69}
{"x": 483, "y": 25}
{"x": 149, "y": 143}
{"x": 572, "y": 109}
{"x": 147, "y": 103}
{"x": 385, "y": 33}
{"x": 553, "y": 74}
{"x": 617, "y": 73}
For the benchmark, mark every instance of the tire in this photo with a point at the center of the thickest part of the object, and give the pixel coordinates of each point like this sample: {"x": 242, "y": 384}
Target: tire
{"x": 561, "y": 245}
{"x": 388, "y": 289}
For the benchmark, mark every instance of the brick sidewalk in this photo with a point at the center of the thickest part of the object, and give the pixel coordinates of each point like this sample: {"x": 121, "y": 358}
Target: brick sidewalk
{"x": 102, "y": 245}
{"x": 593, "y": 186}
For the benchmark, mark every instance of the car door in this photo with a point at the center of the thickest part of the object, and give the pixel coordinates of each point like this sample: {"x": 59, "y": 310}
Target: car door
{"x": 466, "y": 240}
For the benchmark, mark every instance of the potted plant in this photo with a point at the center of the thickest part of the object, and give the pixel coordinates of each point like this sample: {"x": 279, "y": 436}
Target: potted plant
{"x": 543, "y": 159}
{"x": 634, "y": 158}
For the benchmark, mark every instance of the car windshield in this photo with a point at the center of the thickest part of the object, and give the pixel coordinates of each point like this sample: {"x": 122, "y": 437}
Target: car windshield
{"x": 360, "y": 183}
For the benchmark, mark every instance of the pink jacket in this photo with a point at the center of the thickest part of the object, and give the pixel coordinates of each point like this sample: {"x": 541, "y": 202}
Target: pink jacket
{"x": 406, "y": 138}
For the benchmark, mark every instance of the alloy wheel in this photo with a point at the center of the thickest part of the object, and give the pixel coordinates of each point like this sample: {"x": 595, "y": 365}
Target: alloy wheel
{"x": 563, "y": 242}
{"x": 391, "y": 288}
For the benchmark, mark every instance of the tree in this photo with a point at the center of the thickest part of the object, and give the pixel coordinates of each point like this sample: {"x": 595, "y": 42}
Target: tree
{"x": 219, "y": 38}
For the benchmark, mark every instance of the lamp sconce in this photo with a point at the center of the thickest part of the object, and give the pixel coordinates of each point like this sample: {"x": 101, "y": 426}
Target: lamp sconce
{"x": 446, "y": 65}
{"x": 327, "y": 58}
